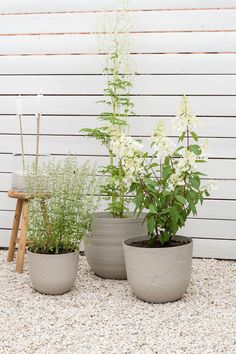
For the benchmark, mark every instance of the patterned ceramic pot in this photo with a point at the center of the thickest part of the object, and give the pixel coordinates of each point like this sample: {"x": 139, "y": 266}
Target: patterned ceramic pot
{"x": 158, "y": 274}
{"x": 53, "y": 274}
{"x": 103, "y": 247}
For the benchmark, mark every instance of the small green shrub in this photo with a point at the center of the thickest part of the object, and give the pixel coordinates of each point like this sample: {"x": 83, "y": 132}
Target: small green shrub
{"x": 60, "y": 210}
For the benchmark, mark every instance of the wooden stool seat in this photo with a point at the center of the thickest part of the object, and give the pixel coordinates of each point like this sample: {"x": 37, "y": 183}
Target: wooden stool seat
{"x": 20, "y": 219}
{"x": 17, "y": 194}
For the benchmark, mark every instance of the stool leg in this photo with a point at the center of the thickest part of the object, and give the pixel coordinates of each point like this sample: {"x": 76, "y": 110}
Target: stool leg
{"x": 23, "y": 236}
{"x": 15, "y": 228}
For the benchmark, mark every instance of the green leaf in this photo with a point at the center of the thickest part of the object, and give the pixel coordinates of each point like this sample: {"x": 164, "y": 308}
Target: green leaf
{"x": 180, "y": 148}
{"x": 201, "y": 161}
{"x": 165, "y": 237}
{"x": 195, "y": 182}
{"x": 132, "y": 187}
{"x": 193, "y": 208}
{"x": 181, "y": 199}
{"x": 139, "y": 199}
{"x": 150, "y": 182}
{"x": 194, "y": 136}
{"x": 174, "y": 214}
{"x": 166, "y": 171}
{"x": 154, "y": 164}
{"x": 181, "y": 137}
{"x": 151, "y": 224}
{"x": 152, "y": 207}
{"x": 195, "y": 149}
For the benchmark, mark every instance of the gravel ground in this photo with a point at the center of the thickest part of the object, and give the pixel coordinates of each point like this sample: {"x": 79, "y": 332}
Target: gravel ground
{"x": 103, "y": 316}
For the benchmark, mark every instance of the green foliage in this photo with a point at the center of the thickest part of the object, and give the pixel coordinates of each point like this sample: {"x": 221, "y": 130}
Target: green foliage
{"x": 61, "y": 207}
{"x": 115, "y": 118}
{"x": 169, "y": 190}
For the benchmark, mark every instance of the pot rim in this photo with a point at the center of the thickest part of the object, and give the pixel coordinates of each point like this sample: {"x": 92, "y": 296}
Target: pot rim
{"x": 107, "y": 218}
{"x": 140, "y": 238}
{"x": 52, "y": 254}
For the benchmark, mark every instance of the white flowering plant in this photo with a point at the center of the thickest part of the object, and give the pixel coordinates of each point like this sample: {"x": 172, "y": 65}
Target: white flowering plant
{"x": 112, "y": 134}
{"x": 168, "y": 184}
{"x": 62, "y": 199}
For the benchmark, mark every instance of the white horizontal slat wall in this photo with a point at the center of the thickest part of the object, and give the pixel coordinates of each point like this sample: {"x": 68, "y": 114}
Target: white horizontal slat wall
{"x": 179, "y": 46}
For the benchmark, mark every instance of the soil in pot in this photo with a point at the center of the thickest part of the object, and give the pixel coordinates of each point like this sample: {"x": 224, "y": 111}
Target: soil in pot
{"x": 172, "y": 243}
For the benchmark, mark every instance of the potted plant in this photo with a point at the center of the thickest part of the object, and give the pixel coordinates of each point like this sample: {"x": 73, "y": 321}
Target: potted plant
{"x": 58, "y": 220}
{"x": 168, "y": 186}
{"x": 103, "y": 247}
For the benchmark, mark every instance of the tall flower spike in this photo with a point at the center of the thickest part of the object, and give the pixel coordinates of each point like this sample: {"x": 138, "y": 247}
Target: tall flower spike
{"x": 204, "y": 150}
{"x": 185, "y": 117}
{"x": 162, "y": 143}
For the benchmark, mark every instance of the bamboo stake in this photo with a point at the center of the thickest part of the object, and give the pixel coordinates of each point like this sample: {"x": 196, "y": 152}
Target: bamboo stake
{"x": 22, "y": 142}
{"x": 19, "y": 113}
{"x": 38, "y": 117}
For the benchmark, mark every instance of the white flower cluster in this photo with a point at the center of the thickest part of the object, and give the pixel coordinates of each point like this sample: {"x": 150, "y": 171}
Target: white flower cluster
{"x": 211, "y": 186}
{"x": 186, "y": 119}
{"x": 113, "y": 28}
{"x": 174, "y": 181}
{"x": 163, "y": 144}
{"x": 204, "y": 151}
{"x": 129, "y": 151}
{"x": 186, "y": 164}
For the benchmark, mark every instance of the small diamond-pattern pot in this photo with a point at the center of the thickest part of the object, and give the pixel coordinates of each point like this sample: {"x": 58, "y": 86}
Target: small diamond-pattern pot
{"x": 158, "y": 274}
{"x": 53, "y": 274}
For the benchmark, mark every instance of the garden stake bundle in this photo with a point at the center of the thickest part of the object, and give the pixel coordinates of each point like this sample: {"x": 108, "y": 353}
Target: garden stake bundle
{"x": 38, "y": 118}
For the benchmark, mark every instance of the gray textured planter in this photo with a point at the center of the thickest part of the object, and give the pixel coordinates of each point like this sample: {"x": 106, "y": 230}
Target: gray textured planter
{"x": 18, "y": 175}
{"x": 18, "y": 181}
{"x": 103, "y": 247}
{"x": 53, "y": 274}
{"x": 158, "y": 274}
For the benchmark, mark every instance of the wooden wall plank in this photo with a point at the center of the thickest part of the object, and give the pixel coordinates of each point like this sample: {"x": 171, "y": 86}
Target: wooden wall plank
{"x": 143, "y": 105}
{"x": 31, "y": 6}
{"x": 214, "y": 249}
{"x": 211, "y": 209}
{"x": 139, "y": 126}
{"x": 142, "y": 84}
{"x": 145, "y": 64}
{"x": 193, "y": 42}
{"x": 141, "y": 21}
{"x": 219, "y": 169}
{"x": 80, "y": 144}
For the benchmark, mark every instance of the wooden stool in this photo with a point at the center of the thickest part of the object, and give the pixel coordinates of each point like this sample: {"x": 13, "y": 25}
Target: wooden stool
{"x": 20, "y": 217}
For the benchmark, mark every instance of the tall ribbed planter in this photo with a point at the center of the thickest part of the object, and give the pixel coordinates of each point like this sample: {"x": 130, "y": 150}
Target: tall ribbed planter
{"x": 103, "y": 246}
{"x": 158, "y": 274}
